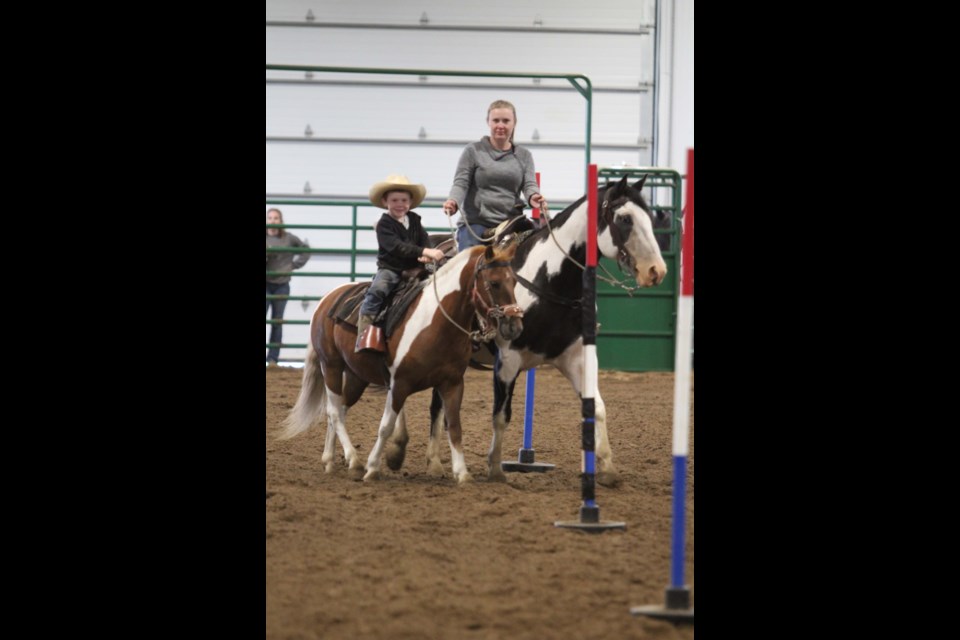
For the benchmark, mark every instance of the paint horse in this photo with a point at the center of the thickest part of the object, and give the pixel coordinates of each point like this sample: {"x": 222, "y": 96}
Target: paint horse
{"x": 551, "y": 299}
{"x": 428, "y": 346}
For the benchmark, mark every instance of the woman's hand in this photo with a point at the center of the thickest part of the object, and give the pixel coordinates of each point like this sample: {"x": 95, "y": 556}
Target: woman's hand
{"x": 537, "y": 201}
{"x": 450, "y": 207}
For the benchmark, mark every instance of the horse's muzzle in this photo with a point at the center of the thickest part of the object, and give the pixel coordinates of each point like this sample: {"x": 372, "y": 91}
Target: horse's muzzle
{"x": 511, "y": 327}
{"x": 510, "y": 321}
{"x": 653, "y": 276}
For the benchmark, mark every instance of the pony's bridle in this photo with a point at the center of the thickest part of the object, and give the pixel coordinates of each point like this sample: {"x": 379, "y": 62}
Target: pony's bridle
{"x": 492, "y": 310}
{"x": 486, "y": 332}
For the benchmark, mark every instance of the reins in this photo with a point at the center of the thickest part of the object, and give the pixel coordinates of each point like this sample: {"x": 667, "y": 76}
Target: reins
{"x": 617, "y": 239}
{"x": 487, "y": 331}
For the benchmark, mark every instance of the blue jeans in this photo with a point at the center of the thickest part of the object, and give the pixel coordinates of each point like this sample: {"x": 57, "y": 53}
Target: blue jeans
{"x": 465, "y": 239}
{"x": 276, "y": 330}
{"x": 383, "y": 284}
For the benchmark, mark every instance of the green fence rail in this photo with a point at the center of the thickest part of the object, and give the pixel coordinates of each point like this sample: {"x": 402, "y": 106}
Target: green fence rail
{"x": 655, "y": 308}
{"x": 647, "y": 347}
{"x": 638, "y": 332}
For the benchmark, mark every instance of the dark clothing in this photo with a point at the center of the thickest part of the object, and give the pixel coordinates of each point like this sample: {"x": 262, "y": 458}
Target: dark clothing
{"x": 276, "y": 330}
{"x": 383, "y": 284}
{"x": 400, "y": 247}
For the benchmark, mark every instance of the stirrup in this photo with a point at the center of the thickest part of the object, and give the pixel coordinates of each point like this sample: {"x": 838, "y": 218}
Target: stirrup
{"x": 370, "y": 340}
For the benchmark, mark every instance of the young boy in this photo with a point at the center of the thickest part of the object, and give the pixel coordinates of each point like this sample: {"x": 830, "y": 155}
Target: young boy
{"x": 402, "y": 242}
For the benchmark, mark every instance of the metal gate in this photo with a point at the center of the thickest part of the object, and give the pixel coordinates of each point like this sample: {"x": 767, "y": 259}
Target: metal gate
{"x": 638, "y": 332}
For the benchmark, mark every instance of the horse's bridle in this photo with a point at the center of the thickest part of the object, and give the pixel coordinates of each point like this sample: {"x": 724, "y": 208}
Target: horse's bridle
{"x": 625, "y": 261}
{"x": 623, "y": 257}
{"x": 492, "y": 310}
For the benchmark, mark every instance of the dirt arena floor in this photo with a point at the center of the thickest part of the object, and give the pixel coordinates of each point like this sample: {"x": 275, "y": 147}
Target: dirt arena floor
{"x": 417, "y": 557}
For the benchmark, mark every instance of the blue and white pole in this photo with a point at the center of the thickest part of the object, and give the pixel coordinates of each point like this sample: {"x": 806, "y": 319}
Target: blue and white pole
{"x": 678, "y": 594}
{"x": 526, "y": 456}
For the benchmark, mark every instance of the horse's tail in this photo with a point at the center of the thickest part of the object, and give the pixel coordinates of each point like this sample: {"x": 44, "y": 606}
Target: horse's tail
{"x": 310, "y": 404}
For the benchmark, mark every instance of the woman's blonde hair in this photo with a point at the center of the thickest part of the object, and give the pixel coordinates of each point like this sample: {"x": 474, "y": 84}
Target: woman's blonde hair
{"x": 503, "y": 104}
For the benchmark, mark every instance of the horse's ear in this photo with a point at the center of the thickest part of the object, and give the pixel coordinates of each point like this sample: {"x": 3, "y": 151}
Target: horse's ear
{"x": 639, "y": 185}
{"x": 488, "y": 254}
{"x": 618, "y": 188}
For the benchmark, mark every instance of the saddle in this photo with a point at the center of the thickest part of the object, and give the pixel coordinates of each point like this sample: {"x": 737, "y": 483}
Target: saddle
{"x": 516, "y": 225}
{"x": 347, "y": 308}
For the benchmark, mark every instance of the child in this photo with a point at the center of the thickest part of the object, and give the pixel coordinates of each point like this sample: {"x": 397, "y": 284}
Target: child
{"x": 401, "y": 239}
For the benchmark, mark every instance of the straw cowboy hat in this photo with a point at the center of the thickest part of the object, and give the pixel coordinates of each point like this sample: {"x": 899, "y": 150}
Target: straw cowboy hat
{"x": 398, "y": 183}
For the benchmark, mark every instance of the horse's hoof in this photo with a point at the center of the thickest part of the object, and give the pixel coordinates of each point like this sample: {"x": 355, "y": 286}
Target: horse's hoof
{"x": 434, "y": 468}
{"x": 466, "y": 478}
{"x": 328, "y": 467}
{"x": 496, "y": 475}
{"x": 608, "y": 478}
{"x": 395, "y": 455}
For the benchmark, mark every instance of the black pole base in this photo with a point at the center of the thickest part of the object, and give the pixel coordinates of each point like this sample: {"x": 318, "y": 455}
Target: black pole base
{"x": 677, "y": 608}
{"x": 525, "y": 463}
{"x": 590, "y": 522}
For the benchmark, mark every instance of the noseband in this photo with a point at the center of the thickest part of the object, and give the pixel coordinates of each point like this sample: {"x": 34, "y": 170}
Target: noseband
{"x": 492, "y": 310}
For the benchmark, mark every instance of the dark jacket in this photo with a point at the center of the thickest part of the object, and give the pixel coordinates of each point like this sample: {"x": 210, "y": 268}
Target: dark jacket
{"x": 399, "y": 247}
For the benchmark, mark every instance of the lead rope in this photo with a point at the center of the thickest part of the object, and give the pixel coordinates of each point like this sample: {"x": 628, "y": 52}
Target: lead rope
{"x": 610, "y": 279}
{"x": 475, "y": 336}
{"x": 453, "y": 233}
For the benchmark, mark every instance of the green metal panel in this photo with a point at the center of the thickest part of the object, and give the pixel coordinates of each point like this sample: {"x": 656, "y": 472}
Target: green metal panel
{"x": 638, "y": 332}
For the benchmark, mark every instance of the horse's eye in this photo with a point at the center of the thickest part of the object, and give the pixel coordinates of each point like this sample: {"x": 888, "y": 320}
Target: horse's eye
{"x": 625, "y": 221}
{"x": 494, "y": 285}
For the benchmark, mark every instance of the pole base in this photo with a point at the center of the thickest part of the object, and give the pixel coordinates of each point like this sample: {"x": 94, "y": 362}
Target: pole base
{"x": 591, "y": 527}
{"x": 590, "y": 522}
{"x": 526, "y": 467}
{"x": 677, "y": 608}
{"x": 525, "y": 463}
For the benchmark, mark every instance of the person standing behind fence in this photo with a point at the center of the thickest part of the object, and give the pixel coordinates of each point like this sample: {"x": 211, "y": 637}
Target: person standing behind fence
{"x": 280, "y": 285}
{"x": 491, "y": 177}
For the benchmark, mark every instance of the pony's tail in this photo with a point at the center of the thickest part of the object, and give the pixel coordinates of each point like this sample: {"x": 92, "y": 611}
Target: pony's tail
{"x": 310, "y": 404}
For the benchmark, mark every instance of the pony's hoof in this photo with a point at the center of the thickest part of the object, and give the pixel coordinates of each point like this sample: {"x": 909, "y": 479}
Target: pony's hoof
{"x": 371, "y": 476}
{"x": 395, "y": 455}
{"x": 496, "y": 474}
{"x": 608, "y": 478}
{"x": 434, "y": 469}
{"x": 328, "y": 467}
{"x": 466, "y": 478}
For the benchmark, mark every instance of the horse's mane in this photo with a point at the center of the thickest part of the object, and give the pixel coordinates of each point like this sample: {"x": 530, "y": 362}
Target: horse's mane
{"x": 557, "y": 222}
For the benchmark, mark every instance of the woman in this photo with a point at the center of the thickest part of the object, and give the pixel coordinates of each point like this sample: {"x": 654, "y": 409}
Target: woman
{"x": 491, "y": 177}
{"x": 280, "y": 285}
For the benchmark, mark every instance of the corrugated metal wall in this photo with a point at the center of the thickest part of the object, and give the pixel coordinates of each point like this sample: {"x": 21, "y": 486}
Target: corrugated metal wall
{"x": 363, "y": 127}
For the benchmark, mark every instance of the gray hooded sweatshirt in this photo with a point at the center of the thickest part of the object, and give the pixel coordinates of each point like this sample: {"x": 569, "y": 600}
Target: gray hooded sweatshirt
{"x": 488, "y": 182}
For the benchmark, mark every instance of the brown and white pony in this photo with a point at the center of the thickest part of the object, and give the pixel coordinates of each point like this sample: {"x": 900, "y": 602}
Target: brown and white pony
{"x": 427, "y": 350}
{"x": 547, "y": 265}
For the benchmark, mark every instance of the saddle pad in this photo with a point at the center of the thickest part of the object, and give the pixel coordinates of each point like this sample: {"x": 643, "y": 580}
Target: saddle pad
{"x": 347, "y": 308}
{"x": 404, "y": 295}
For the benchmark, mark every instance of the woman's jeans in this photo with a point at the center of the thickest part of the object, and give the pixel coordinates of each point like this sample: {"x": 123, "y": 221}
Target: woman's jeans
{"x": 276, "y": 330}
{"x": 465, "y": 239}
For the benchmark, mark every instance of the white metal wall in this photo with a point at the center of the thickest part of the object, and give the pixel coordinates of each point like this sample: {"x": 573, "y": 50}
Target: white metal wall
{"x": 362, "y": 132}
